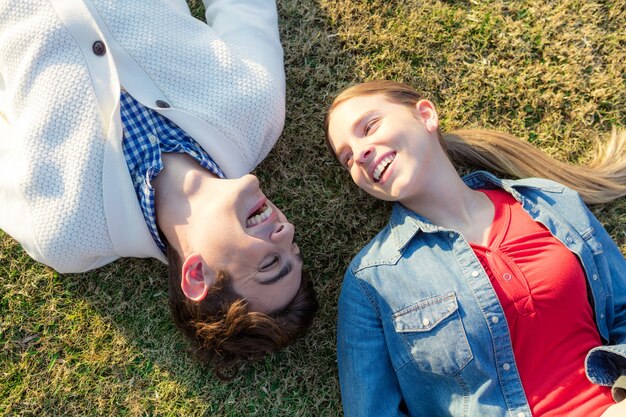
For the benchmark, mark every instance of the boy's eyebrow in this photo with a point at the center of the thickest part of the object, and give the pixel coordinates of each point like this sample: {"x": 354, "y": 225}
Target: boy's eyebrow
{"x": 283, "y": 271}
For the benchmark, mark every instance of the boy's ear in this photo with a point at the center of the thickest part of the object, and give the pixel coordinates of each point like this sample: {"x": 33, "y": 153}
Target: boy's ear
{"x": 426, "y": 112}
{"x": 196, "y": 277}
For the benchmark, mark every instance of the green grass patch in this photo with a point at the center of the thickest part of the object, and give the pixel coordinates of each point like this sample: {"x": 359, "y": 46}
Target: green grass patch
{"x": 101, "y": 343}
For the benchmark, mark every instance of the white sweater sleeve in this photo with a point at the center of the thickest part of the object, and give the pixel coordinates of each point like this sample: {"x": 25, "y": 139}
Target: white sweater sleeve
{"x": 251, "y": 28}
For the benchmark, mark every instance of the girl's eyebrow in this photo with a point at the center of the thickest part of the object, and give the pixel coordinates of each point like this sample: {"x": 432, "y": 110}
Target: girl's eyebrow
{"x": 359, "y": 120}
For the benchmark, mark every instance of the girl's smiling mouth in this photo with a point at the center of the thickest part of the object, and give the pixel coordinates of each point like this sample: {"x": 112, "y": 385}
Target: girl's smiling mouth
{"x": 382, "y": 166}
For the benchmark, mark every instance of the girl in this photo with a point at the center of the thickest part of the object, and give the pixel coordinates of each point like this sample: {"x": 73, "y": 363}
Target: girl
{"x": 482, "y": 296}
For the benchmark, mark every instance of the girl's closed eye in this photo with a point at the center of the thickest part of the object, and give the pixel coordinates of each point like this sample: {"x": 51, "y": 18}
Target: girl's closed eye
{"x": 371, "y": 126}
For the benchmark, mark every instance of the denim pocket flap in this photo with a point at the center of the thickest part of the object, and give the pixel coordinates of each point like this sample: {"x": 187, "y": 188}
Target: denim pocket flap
{"x": 426, "y": 314}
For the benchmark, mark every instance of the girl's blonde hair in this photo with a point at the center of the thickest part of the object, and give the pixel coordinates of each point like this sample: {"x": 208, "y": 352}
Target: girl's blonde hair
{"x": 601, "y": 180}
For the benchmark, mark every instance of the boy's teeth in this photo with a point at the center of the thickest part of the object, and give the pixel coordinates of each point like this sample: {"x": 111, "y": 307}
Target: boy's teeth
{"x": 381, "y": 167}
{"x": 265, "y": 212}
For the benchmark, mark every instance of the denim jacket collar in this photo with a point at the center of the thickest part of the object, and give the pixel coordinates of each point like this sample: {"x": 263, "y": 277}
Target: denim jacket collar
{"x": 405, "y": 224}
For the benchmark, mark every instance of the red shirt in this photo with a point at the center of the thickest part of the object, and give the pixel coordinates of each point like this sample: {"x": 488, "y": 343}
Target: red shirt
{"x": 542, "y": 288}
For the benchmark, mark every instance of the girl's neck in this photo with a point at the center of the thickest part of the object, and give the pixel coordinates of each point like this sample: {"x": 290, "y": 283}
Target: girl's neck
{"x": 448, "y": 202}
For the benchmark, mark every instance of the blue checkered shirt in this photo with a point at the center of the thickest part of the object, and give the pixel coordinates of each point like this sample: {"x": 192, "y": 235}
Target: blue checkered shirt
{"x": 146, "y": 134}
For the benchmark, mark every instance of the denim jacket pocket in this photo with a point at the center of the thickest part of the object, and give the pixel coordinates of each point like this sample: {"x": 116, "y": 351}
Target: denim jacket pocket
{"x": 434, "y": 334}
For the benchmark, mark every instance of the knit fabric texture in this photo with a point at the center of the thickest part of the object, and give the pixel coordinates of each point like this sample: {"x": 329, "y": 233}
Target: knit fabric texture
{"x": 209, "y": 79}
{"x": 58, "y": 126}
{"x": 60, "y": 173}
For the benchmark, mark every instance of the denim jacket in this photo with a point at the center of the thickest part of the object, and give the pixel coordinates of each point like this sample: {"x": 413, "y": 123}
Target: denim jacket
{"x": 421, "y": 331}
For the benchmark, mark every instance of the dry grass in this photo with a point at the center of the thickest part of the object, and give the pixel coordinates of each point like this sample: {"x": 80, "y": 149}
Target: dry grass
{"x": 102, "y": 344}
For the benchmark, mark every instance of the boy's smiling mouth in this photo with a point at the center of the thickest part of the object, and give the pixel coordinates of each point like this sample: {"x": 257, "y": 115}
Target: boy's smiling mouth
{"x": 259, "y": 215}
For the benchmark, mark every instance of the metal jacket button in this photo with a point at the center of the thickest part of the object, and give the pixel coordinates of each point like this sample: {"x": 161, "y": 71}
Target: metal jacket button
{"x": 99, "y": 48}
{"x": 162, "y": 104}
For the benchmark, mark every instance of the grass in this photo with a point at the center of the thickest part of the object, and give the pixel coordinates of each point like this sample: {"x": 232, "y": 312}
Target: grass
{"x": 101, "y": 343}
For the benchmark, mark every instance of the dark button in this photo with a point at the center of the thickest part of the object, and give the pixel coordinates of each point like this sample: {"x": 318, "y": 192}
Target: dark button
{"x": 162, "y": 104}
{"x": 99, "y": 48}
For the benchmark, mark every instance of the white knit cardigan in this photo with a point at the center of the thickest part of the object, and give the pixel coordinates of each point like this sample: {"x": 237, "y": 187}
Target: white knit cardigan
{"x": 65, "y": 191}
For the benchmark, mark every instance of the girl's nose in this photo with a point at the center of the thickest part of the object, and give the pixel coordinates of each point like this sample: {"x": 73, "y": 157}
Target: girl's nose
{"x": 363, "y": 155}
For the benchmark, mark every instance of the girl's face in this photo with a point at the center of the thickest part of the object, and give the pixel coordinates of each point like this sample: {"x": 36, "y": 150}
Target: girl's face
{"x": 391, "y": 150}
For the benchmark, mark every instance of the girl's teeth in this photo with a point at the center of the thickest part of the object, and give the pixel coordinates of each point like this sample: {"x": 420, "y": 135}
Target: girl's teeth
{"x": 381, "y": 167}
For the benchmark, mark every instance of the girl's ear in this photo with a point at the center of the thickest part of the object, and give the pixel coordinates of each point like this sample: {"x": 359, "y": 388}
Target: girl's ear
{"x": 196, "y": 277}
{"x": 426, "y": 112}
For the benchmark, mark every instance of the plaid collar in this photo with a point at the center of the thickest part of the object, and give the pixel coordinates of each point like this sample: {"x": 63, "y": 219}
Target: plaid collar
{"x": 146, "y": 135}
